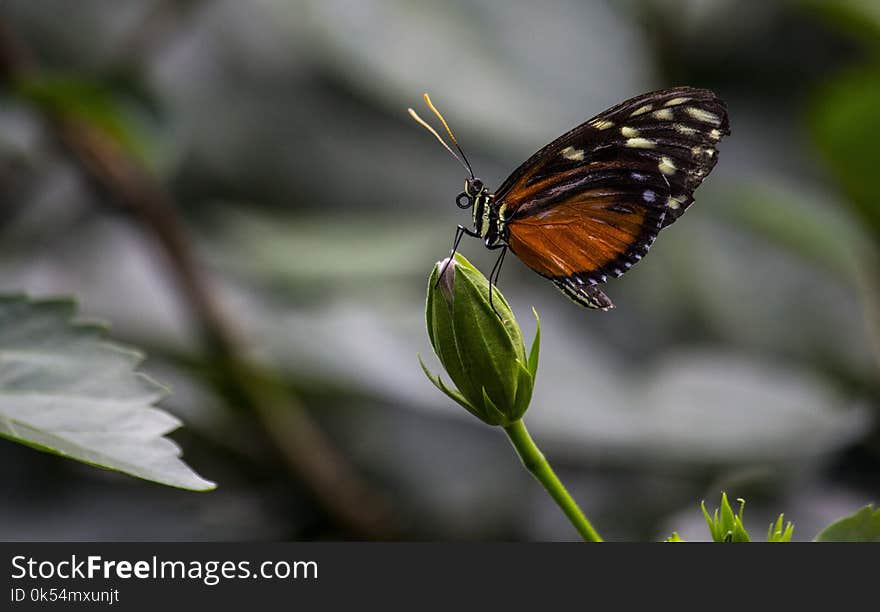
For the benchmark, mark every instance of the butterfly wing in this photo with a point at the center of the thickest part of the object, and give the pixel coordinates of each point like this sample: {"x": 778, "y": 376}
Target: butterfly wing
{"x": 590, "y": 204}
{"x": 581, "y": 239}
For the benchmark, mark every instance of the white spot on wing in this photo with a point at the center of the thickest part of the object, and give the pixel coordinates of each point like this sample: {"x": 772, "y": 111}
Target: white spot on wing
{"x": 629, "y": 132}
{"x": 715, "y": 134}
{"x": 684, "y": 129}
{"x": 667, "y": 166}
{"x": 664, "y": 113}
{"x": 701, "y": 114}
{"x": 675, "y": 202}
{"x": 602, "y": 124}
{"x": 641, "y": 110}
{"x": 640, "y": 143}
{"x": 572, "y": 154}
{"x": 676, "y": 101}
{"x": 649, "y": 196}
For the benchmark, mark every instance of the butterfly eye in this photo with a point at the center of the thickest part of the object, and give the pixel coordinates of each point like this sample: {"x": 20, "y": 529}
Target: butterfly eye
{"x": 463, "y": 200}
{"x": 477, "y": 186}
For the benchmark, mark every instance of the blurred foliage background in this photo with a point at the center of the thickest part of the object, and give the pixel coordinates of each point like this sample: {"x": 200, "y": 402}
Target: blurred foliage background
{"x": 237, "y": 188}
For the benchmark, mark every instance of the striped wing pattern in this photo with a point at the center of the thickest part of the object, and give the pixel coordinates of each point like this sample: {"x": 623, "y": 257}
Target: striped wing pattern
{"x": 589, "y": 205}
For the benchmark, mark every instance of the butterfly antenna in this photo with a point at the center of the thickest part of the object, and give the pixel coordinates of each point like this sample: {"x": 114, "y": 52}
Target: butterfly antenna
{"x": 451, "y": 135}
{"x": 425, "y": 125}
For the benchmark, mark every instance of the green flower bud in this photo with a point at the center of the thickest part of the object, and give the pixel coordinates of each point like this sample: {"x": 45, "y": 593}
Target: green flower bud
{"x": 483, "y": 353}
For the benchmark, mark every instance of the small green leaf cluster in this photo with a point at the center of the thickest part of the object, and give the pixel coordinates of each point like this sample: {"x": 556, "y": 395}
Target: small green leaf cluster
{"x": 776, "y": 532}
{"x": 725, "y": 525}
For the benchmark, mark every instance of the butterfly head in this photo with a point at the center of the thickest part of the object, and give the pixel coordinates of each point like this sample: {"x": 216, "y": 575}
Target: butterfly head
{"x": 473, "y": 187}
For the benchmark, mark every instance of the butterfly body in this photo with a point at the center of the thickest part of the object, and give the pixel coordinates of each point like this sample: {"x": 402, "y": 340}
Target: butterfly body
{"x": 588, "y": 206}
{"x": 488, "y": 217}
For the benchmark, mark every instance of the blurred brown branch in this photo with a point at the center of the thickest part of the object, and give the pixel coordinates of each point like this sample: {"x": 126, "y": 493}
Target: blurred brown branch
{"x": 305, "y": 448}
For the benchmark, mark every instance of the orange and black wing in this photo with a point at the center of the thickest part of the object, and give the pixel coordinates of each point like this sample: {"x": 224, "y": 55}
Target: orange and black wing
{"x": 590, "y": 204}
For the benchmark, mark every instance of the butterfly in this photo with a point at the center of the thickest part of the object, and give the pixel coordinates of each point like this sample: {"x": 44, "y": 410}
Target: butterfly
{"x": 589, "y": 205}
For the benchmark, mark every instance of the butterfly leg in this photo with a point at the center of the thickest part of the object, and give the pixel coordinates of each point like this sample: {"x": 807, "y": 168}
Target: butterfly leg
{"x": 459, "y": 232}
{"x": 496, "y": 272}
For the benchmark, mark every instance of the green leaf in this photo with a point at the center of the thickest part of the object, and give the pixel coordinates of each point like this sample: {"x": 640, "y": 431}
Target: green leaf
{"x": 524, "y": 387}
{"x": 728, "y": 520}
{"x": 776, "y": 533}
{"x": 826, "y": 233}
{"x": 860, "y": 18}
{"x": 845, "y": 129}
{"x": 452, "y": 394}
{"x": 536, "y": 347}
{"x": 739, "y": 531}
{"x": 674, "y": 538}
{"x": 729, "y": 526}
{"x": 118, "y": 116}
{"x": 711, "y": 522}
{"x": 491, "y": 413}
{"x": 65, "y": 390}
{"x": 863, "y": 526}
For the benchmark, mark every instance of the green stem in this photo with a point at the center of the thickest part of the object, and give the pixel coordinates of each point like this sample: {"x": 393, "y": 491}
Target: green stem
{"x": 535, "y": 462}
